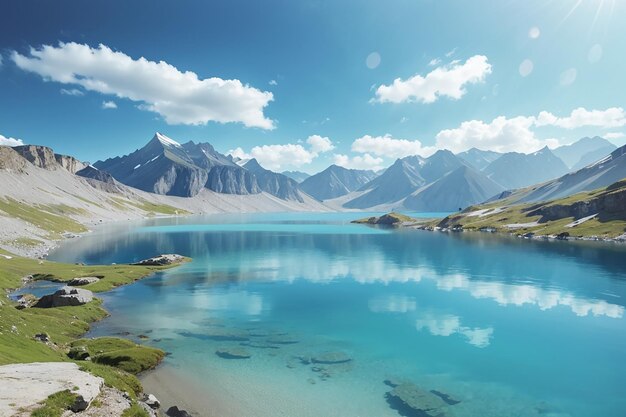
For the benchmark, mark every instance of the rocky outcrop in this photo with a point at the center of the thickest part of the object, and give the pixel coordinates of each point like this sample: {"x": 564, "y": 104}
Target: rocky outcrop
{"x": 66, "y": 296}
{"x": 10, "y": 160}
{"x": 69, "y": 163}
{"x": 40, "y": 156}
{"x": 79, "y": 281}
{"x": 605, "y": 205}
{"x": 176, "y": 412}
{"x": 24, "y": 386}
{"x": 161, "y": 260}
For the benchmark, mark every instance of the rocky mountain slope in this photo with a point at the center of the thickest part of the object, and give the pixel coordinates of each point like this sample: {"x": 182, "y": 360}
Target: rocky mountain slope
{"x": 299, "y": 176}
{"x": 584, "y": 152}
{"x": 45, "y": 197}
{"x": 479, "y": 159}
{"x": 164, "y": 166}
{"x": 516, "y": 170}
{"x": 599, "y": 213}
{"x": 336, "y": 181}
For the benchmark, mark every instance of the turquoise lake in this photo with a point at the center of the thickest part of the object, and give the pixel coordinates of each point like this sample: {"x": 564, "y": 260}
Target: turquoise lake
{"x": 507, "y": 326}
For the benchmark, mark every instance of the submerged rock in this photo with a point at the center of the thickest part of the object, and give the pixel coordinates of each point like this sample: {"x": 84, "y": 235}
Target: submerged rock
{"x": 66, "y": 296}
{"x": 233, "y": 353}
{"x": 330, "y": 358}
{"x": 259, "y": 345}
{"x": 412, "y": 401}
{"x": 83, "y": 281}
{"x": 282, "y": 340}
{"x": 447, "y": 398}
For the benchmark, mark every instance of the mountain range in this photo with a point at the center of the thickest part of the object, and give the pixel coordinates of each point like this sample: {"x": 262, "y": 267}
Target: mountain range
{"x": 336, "y": 181}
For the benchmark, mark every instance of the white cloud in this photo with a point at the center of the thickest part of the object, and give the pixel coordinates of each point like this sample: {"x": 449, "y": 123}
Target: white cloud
{"x": 501, "y": 135}
{"x": 614, "y": 135}
{"x": 434, "y": 62}
{"x": 109, "y": 105}
{"x": 180, "y": 97}
{"x": 365, "y": 161}
{"x": 526, "y": 68}
{"x": 273, "y": 82}
{"x": 448, "y": 81}
{"x": 448, "y": 325}
{"x": 568, "y": 77}
{"x": 4, "y": 141}
{"x": 450, "y": 52}
{"x": 581, "y": 117}
{"x": 534, "y": 32}
{"x": 389, "y": 147}
{"x": 1, "y": 60}
{"x": 277, "y": 157}
{"x": 320, "y": 144}
{"x": 72, "y": 92}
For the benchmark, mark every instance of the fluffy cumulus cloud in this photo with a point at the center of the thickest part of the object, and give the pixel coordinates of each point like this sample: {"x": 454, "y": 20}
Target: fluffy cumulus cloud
{"x": 365, "y": 161}
{"x": 278, "y": 157}
{"x": 581, "y": 117}
{"x": 448, "y": 325}
{"x": 4, "y": 141}
{"x": 518, "y": 134}
{"x": 500, "y": 135}
{"x": 389, "y": 147}
{"x": 445, "y": 81}
{"x": 320, "y": 144}
{"x": 179, "y": 97}
{"x": 614, "y": 135}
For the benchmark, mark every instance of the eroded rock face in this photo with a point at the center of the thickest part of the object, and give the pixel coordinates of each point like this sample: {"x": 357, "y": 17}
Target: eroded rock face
{"x": 25, "y": 385}
{"x": 66, "y": 296}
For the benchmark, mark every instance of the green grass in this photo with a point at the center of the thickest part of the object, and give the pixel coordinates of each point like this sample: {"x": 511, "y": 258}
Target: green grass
{"x": 605, "y": 225}
{"x": 53, "y": 219}
{"x": 114, "y": 377}
{"x": 135, "y": 411}
{"x": 150, "y": 208}
{"x": 121, "y": 353}
{"x": 55, "y": 405}
{"x": 65, "y": 324}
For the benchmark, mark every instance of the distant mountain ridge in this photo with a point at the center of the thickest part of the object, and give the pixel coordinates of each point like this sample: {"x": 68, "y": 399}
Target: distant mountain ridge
{"x": 163, "y": 166}
{"x": 336, "y": 181}
{"x": 517, "y": 170}
{"x": 584, "y": 151}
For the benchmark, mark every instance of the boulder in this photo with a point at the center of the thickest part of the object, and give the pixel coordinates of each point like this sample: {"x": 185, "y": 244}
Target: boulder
{"x": 83, "y": 281}
{"x": 151, "y": 401}
{"x": 161, "y": 260}
{"x": 42, "y": 337}
{"x": 78, "y": 353}
{"x": 177, "y": 412}
{"x": 26, "y": 301}
{"x": 233, "y": 353}
{"x": 66, "y": 296}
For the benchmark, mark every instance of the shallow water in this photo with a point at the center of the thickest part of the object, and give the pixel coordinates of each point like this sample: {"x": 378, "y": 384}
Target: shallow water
{"x": 509, "y": 327}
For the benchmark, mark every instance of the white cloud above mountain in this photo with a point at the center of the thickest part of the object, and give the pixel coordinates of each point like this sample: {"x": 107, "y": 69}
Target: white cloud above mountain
{"x": 180, "y": 97}
{"x": 365, "y": 161}
{"x": 500, "y": 135}
{"x": 444, "y": 81}
{"x": 278, "y": 157}
{"x": 109, "y": 105}
{"x": 389, "y": 147}
{"x": 581, "y": 117}
{"x": 4, "y": 141}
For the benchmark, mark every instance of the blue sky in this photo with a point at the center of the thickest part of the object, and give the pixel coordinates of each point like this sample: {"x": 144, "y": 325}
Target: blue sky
{"x": 307, "y": 96}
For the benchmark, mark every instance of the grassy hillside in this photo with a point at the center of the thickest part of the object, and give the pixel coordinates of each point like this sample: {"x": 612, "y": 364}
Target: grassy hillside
{"x": 116, "y": 360}
{"x": 600, "y": 213}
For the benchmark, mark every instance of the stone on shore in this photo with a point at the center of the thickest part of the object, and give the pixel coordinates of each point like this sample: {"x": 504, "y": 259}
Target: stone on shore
{"x": 66, "y": 296}
{"x": 161, "y": 260}
{"x": 79, "y": 281}
{"x": 25, "y": 385}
